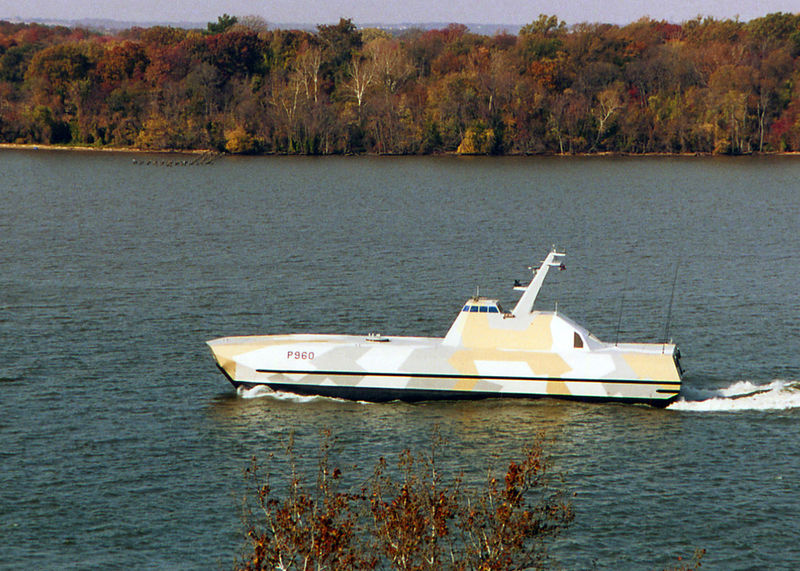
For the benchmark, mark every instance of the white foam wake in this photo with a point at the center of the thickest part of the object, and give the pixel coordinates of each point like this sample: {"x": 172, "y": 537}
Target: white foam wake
{"x": 742, "y": 395}
{"x": 261, "y": 391}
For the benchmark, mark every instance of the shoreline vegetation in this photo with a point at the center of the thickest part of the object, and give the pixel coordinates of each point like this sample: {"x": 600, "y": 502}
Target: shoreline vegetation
{"x": 650, "y": 88}
{"x": 136, "y": 150}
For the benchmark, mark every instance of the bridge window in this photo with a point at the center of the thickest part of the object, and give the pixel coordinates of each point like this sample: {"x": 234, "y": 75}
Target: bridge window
{"x": 577, "y": 341}
{"x": 481, "y": 309}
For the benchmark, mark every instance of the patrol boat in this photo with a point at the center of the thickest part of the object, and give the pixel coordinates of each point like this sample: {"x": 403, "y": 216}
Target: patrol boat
{"x": 488, "y": 352}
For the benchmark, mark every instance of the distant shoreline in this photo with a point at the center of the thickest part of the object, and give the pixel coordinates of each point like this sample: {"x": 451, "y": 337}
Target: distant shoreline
{"x": 84, "y": 148}
{"x": 135, "y": 150}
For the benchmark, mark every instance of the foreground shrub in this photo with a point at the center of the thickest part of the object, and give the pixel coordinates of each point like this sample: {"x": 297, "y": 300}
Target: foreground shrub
{"x": 408, "y": 518}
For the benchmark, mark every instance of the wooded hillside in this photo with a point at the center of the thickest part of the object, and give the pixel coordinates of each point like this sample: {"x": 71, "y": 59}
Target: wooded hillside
{"x": 706, "y": 85}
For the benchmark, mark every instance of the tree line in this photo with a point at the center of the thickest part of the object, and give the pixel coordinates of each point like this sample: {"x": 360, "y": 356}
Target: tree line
{"x": 702, "y": 86}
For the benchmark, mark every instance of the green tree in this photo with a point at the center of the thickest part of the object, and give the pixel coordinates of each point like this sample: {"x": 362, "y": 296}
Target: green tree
{"x": 14, "y": 61}
{"x": 339, "y": 42}
{"x": 222, "y": 24}
{"x": 52, "y": 70}
{"x": 542, "y": 38}
{"x": 45, "y": 127}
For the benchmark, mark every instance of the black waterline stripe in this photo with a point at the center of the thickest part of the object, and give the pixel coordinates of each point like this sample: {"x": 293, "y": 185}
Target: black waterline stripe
{"x": 416, "y": 395}
{"x": 467, "y": 377}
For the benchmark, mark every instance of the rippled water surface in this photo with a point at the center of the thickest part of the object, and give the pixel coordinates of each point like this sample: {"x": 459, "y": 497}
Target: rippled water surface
{"x": 121, "y": 444}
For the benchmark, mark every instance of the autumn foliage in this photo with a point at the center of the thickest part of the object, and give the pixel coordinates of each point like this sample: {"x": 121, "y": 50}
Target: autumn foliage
{"x": 701, "y": 86}
{"x": 407, "y": 517}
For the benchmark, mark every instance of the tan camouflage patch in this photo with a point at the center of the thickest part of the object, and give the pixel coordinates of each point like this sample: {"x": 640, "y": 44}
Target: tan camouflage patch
{"x": 653, "y": 366}
{"x": 477, "y": 332}
{"x": 558, "y": 388}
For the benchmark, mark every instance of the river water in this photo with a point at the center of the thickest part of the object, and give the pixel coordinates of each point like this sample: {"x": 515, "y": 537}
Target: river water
{"x": 121, "y": 445}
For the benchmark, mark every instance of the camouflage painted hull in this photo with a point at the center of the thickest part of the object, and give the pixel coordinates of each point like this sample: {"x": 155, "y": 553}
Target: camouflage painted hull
{"x": 414, "y": 369}
{"x": 487, "y": 352}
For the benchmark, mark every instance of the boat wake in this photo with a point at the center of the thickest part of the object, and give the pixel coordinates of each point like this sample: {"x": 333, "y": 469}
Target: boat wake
{"x": 261, "y": 391}
{"x": 742, "y": 395}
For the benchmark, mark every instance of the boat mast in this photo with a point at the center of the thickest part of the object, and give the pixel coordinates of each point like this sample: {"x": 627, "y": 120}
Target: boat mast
{"x": 525, "y": 304}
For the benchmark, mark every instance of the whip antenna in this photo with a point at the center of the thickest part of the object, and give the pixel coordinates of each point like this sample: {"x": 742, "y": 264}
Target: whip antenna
{"x": 621, "y": 303}
{"x": 671, "y": 298}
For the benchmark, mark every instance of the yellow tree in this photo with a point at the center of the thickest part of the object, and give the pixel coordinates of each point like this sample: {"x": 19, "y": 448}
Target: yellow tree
{"x": 307, "y": 65}
{"x": 730, "y": 88}
{"x": 361, "y": 73}
{"x": 607, "y": 104}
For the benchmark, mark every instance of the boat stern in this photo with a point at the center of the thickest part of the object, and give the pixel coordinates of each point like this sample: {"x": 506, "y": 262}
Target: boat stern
{"x": 657, "y": 364}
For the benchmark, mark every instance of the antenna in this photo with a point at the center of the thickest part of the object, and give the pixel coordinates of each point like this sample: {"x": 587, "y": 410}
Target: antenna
{"x": 621, "y": 303}
{"x": 671, "y": 298}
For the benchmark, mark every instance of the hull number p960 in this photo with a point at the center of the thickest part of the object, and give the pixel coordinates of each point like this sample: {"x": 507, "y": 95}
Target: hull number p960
{"x": 303, "y": 355}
